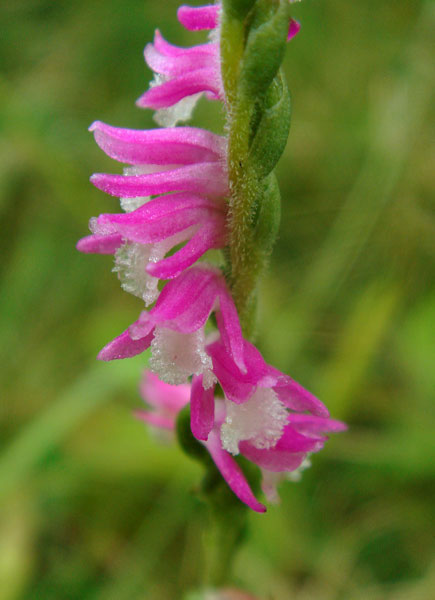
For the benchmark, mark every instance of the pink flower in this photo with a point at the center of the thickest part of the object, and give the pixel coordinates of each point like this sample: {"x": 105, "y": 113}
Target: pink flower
{"x": 260, "y": 387}
{"x": 265, "y": 416}
{"x": 182, "y": 75}
{"x": 165, "y": 401}
{"x": 301, "y": 435}
{"x": 174, "y": 328}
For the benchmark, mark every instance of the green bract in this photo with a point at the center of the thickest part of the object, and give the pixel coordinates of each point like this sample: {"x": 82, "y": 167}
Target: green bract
{"x": 238, "y": 8}
{"x": 264, "y": 49}
{"x": 270, "y": 134}
{"x": 268, "y": 216}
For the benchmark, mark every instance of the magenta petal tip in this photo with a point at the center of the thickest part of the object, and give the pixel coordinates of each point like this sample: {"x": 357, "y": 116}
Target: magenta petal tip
{"x": 294, "y": 28}
{"x": 94, "y": 126}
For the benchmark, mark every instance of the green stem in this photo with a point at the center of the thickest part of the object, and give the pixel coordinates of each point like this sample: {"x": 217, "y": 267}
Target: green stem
{"x": 244, "y": 259}
{"x": 231, "y": 49}
{"x": 226, "y": 513}
{"x": 222, "y": 541}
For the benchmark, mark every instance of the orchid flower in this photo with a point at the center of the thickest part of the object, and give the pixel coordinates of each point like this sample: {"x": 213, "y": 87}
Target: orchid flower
{"x": 174, "y": 328}
{"x": 300, "y": 436}
{"x": 182, "y": 75}
{"x": 257, "y": 398}
{"x": 165, "y": 401}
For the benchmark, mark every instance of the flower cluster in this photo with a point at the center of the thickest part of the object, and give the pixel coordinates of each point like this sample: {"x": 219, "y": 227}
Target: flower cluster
{"x": 174, "y": 195}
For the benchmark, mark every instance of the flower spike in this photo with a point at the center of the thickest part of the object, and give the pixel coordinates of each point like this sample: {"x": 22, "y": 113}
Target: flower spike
{"x": 185, "y": 191}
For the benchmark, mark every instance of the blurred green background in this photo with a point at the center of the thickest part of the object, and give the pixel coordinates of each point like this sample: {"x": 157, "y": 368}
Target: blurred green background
{"x": 93, "y": 506}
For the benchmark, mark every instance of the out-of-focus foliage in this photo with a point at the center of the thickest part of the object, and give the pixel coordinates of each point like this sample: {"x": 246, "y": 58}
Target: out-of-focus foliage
{"x": 92, "y": 506}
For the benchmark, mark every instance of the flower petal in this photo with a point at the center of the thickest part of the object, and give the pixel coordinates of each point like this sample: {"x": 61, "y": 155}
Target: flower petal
{"x": 313, "y": 425}
{"x": 183, "y": 61}
{"x": 156, "y": 420}
{"x": 229, "y": 326}
{"x": 168, "y": 93}
{"x": 199, "y": 17}
{"x": 238, "y": 386}
{"x": 124, "y": 346}
{"x": 210, "y": 235}
{"x": 294, "y": 28}
{"x": 166, "y": 48}
{"x": 185, "y": 303}
{"x": 147, "y": 230}
{"x": 204, "y": 178}
{"x": 232, "y": 473}
{"x": 201, "y": 409}
{"x": 100, "y": 244}
{"x": 272, "y": 459}
{"x": 170, "y": 146}
{"x": 293, "y": 441}
{"x": 297, "y": 398}
{"x": 161, "y": 395}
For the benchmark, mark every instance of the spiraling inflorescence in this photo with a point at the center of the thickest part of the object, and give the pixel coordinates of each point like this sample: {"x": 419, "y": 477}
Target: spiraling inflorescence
{"x": 186, "y": 191}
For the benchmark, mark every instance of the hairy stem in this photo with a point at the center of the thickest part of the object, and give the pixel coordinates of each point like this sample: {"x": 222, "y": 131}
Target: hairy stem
{"x": 244, "y": 259}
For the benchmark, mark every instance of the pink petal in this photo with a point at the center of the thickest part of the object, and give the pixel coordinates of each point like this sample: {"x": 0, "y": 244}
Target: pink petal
{"x": 232, "y": 473}
{"x": 208, "y": 236}
{"x": 124, "y": 346}
{"x": 164, "y": 47}
{"x": 172, "y": 91}
{"x": 162, "y": 395}
{"x": 143, "y": 327}
{"x": 146, "y": 231}
{"x": 155, "y": 420}
{"x": 203, "y": 178}
{"x": 170, "y": 51}
{"x": 235, "y": 390}
{"x": 161, "y": 208}
{"x": 170, "y": 146}
{"x": 292, "y": 441}
{"x": 186, "y": 59}
{"x": 294, "y": 28}
{"x": 198, "y": 18}
{"x": 312, "y": 425}
{"x": 163, "y": 205}
{"x": 229, "y": 326}
{"x": 238, "y": 386}
{"x": 272, "y": 460}
{"x": 201, "y": 409}
{"x": 185, "y": 303}
{"x": 100, "y": 244}
{"x": 297, "y": 398}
